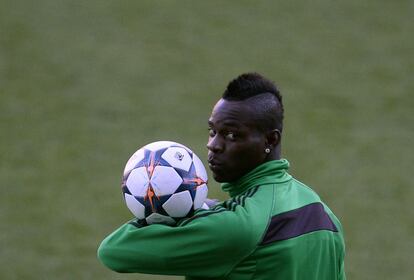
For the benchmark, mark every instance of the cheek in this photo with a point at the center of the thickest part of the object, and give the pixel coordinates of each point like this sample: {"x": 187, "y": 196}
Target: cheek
{"x": 255, "y": 155}
{"x": 254, "y": 146}
{"x": 249, "y": 155}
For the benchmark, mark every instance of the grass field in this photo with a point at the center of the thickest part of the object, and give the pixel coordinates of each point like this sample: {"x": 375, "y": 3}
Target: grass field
{"x": 83, "y": 84}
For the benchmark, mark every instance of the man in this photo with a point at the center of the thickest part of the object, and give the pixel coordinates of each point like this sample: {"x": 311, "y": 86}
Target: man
{"x": 273, "y": 226}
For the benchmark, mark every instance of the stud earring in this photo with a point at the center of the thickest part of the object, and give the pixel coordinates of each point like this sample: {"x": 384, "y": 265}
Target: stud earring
{"x": 267, "y": 150}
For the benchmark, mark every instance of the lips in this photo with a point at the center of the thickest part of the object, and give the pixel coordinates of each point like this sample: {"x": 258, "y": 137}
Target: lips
{"x": 220, "y": 170}
{"x": 214, "y": 164}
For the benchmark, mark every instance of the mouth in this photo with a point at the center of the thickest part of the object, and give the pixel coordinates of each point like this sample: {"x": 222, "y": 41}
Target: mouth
{"x": 216, "y": 171}
{"x": 214, "y": 164}
{"x": 219, "y": 171}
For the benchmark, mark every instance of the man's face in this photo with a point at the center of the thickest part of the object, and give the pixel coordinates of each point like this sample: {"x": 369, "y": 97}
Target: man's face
{"x": 235, "y": 144}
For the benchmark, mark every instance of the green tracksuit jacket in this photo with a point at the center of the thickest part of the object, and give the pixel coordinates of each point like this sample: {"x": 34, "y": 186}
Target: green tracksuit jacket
{"x": 273, "y": 227}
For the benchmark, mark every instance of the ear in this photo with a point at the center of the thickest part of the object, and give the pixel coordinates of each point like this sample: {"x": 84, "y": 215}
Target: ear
{"x": 273, "y": 138}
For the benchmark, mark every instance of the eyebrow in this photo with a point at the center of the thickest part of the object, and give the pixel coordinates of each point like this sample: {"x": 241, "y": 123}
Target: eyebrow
{"x": 227, "y": 123}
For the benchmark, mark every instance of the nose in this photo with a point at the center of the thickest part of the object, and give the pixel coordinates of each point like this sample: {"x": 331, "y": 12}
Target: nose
{"x": 214, "y": 144}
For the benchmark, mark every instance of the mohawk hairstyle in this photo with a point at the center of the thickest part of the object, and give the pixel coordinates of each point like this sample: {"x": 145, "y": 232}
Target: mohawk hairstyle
{"x": 252, "y": 85}
{"x": 248, "y": 85}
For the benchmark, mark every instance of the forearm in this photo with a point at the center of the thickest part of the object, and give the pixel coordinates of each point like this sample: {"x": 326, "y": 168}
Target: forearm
{"x": 201, "y": 248}
{"x": 129, "y": 249}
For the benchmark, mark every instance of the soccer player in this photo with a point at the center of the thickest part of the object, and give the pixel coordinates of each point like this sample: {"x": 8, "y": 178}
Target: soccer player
{"x": 273, "y": 226}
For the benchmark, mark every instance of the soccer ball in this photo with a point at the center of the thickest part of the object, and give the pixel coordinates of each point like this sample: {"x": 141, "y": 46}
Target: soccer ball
{"x": 163, "y": 182}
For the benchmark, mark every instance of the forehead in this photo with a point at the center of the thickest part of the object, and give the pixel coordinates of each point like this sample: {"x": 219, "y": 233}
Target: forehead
{"x": 232, "y": 113}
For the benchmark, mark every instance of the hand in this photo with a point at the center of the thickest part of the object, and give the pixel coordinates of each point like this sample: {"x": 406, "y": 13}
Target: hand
{"x": 210, "y": 203}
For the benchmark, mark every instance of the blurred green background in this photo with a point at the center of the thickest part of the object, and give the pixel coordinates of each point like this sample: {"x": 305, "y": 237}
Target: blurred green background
{"x": 83, "y": 84}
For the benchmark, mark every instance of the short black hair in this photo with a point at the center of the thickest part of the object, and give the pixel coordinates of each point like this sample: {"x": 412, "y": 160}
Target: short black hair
{"x": 253, "y": 84}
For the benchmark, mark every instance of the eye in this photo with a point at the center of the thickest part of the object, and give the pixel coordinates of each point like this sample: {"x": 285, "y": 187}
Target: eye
{"x": 230, "y": 135}
{"x": 211, "y": 132}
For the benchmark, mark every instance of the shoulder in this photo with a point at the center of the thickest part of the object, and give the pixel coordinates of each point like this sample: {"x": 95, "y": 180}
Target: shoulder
{"x": 293, "y": 194}
{"x": 232, "y": 209}
{"x": 242, "y": 218}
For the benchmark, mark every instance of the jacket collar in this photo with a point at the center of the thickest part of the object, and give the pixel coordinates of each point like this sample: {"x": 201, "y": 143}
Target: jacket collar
{"x": 270, "y": 172}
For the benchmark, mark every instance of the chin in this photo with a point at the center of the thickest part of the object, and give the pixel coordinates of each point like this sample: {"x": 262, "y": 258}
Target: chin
{"x": 223, "y": 179}
{"x": 223, "y": 175}
{"x": 219, "y": 179}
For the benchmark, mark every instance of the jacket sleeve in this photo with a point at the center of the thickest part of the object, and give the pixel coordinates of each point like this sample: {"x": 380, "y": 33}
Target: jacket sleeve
{"x": 342, "y": 272}
{"x": 208, "y": 246}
